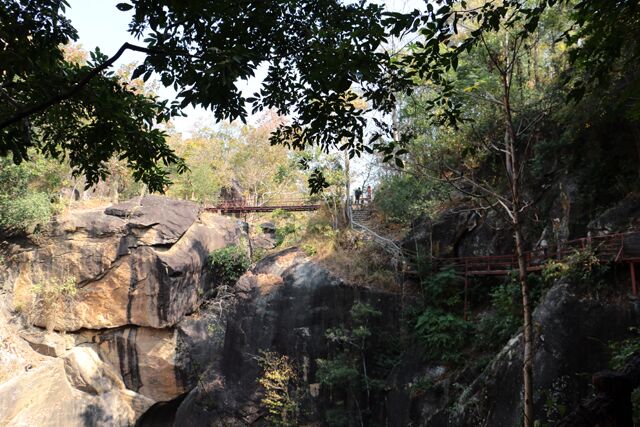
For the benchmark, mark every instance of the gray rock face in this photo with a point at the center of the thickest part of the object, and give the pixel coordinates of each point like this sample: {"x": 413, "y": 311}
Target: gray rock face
{"x": 624, "y": 216}
{"x": 136, "y": 263}
{"x": 156, "y": 220}
{"x": 460, "y": 232}
{"x": 573, "y": 330}
{"x": 285, "y": 304}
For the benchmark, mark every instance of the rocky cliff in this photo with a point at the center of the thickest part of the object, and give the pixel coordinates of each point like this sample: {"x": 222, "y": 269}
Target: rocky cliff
{"x": 110, "y": 286}
{"x": 110, "y": 318}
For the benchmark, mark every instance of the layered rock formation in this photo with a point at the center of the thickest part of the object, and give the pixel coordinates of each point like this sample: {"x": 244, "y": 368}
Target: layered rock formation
{"x": 117, "y": 281}
{"x": 139, "y": 262}
{"x": 150, "y": 337}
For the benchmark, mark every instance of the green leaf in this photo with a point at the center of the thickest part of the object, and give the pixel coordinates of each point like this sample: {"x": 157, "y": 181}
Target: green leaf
{"x": 124, "y": 7}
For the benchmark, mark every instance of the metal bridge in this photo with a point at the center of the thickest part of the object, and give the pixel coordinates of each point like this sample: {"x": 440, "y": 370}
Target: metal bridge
{"x": 622, "y": 248}
{"x": 239, "y": 206}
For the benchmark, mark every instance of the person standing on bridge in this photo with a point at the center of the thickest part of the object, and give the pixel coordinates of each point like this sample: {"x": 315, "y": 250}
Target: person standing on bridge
{"x": 358, "y": 194}
{"x": 369, "y": 194}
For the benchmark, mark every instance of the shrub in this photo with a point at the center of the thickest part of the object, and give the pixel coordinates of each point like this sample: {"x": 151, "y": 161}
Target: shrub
{"x": 620, "y": 352}
{"x": 403, "y": 197}
{"x": 258, "y": 254}
{"x": 228, "y": 264}
{"x": 442, "y": 289}
{"x": 337, "y": 372}
{"x": 443, "y": 335}
{"x": 309, "y": 249}
{"x": 497, "y": 326}
{"x": 25, "y": 212}
{"x": 579, "y": 267}
{"x": 278, "y": 380}
{"x": 287, "y": 233}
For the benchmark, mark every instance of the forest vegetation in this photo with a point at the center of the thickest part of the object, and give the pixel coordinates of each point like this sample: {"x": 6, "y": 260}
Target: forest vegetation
{"x": 498, "y": 108}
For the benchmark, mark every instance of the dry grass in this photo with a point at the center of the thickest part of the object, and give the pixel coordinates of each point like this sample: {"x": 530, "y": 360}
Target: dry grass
{"x": 357, "y": 261}
{"x": 51, "y": 299}
{"x": 346, "y": 253}
{"x": 86, "y": 204}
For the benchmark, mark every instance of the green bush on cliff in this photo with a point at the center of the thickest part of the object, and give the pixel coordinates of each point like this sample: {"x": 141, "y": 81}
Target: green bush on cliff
{"x": 25, "y": 212}
{"x": 228, "y": 264}
{"x": 281, "y": 394}
{"x": 51, "y": 299}
{"x": 444, "y": 335}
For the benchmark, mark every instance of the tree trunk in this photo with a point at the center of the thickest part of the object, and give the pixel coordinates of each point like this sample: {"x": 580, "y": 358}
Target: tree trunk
{"x": 527, "y": 365}
{"x": 513, "y": 172}
{"x": 635, "y": 130}
{"x": 347, "y": 204}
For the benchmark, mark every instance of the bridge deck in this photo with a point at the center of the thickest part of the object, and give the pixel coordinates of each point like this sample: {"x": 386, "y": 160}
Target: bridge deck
{"x": 243, "y": 206}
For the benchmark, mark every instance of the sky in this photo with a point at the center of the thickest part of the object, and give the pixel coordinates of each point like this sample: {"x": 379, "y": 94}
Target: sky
{"x": 100, "y": 24}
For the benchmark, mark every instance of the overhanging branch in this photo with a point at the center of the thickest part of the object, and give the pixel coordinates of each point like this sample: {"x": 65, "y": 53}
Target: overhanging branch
{"x": 77, "y": 87}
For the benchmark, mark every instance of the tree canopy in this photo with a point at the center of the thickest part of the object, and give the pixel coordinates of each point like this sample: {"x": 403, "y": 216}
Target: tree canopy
{"x": 320, "y": 56}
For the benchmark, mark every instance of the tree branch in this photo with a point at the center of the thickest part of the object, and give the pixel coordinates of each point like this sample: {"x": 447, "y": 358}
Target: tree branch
{"x": 77, "y": 87}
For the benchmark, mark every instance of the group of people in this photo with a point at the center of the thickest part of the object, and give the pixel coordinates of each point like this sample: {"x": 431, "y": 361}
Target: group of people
{"x": 359, "y": 195}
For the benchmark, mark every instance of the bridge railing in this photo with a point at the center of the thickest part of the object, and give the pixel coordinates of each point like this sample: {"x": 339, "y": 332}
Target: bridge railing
{"x": 612, "y": 247}
{"x": 242, "y": 205}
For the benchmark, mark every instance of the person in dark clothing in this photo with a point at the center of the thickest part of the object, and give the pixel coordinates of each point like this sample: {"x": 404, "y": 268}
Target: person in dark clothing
{"x": 358, "y": 194}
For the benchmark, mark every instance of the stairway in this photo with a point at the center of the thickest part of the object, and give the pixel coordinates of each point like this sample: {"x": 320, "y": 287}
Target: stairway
{"x": 361, "y": 214}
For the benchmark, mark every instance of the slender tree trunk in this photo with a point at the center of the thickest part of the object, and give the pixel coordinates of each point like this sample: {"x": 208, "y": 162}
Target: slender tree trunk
{"x": 527, "y": 365}
{"x": 396, "y": 124}
{"x": 513, "y": 171}
{"x": 347, "y": 176}
{"x": 635, "y": 130}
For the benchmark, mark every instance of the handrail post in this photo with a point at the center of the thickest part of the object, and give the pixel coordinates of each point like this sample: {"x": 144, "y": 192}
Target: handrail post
{"x": 634, "y": 287}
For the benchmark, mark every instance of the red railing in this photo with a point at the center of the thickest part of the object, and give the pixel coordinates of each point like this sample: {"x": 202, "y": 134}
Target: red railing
{"x": 623, "y": 247}
{"x": 244, "y": 206}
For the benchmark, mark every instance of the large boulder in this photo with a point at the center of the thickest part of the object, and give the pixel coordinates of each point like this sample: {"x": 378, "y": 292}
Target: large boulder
{"x": 460, "y": 231}
{"x": 284, "y": 304}
{"x": 137, "y": 263}
{"x": 624, "y": 216}
{"x": 92, "y": 395}
{"x": 145, "y": 359}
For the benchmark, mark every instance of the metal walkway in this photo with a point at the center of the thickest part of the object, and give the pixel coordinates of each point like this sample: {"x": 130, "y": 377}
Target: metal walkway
{"x": 242, "y": 206}
{"x": 616, "y": 248}
{"x": 619, "y": 248}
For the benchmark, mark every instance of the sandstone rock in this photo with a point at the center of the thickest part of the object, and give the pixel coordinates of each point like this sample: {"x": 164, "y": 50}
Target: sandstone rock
{"x": 156, "y": 220}
{"x": 141, "y": 267}
{"x": 145, "y": 359}
{"x": 48, "y": 344}
{"x": 86, "y": 372}
{"x": 43, "y": 397}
